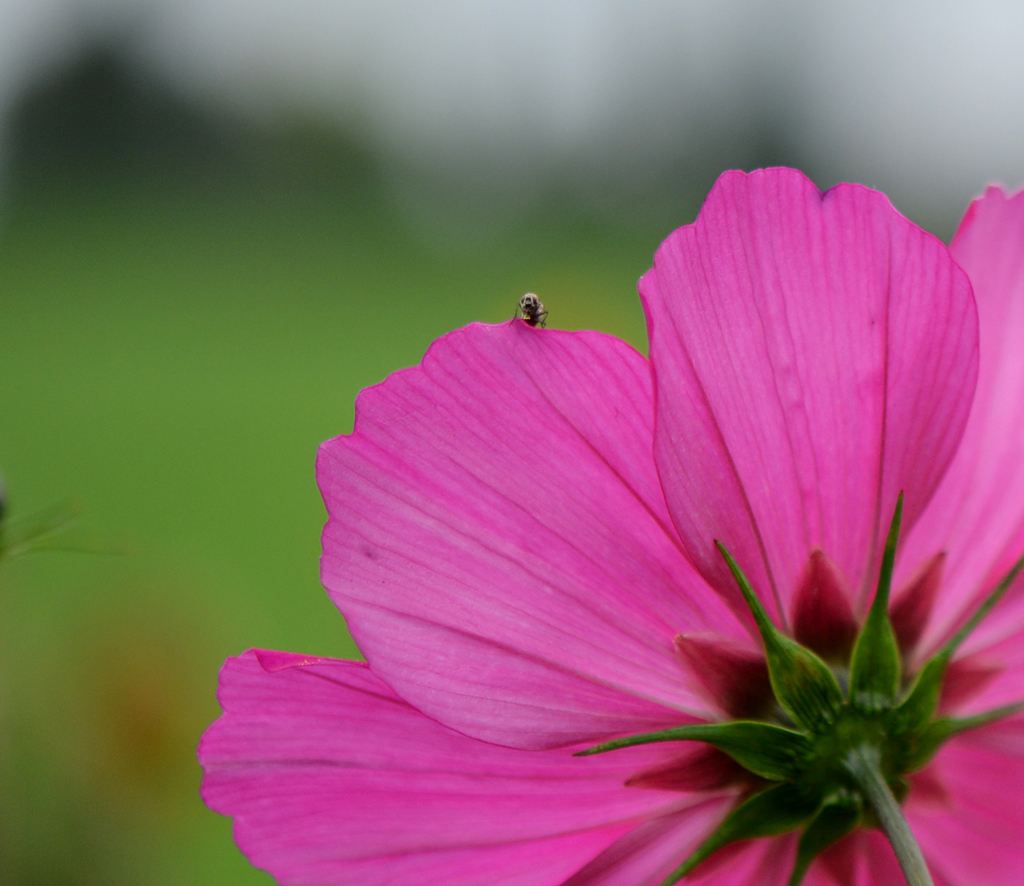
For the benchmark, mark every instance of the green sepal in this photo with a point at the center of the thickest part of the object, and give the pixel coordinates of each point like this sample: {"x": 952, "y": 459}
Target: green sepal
{"x": 918, "y": 708}
{"x": 876, "y": 663}
{"x": 835, "y": 820}
{"x": 922, "y": 747}
{"x": 775, "y": 811}
{"x": 773, "y": 752}
{"x": 803, "y": 684}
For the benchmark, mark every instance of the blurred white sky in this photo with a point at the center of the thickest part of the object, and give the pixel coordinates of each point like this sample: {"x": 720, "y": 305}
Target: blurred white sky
{"x": 922, "y": 99}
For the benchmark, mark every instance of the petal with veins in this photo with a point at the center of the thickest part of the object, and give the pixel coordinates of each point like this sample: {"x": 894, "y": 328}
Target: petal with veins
{"x": 333, "y": 779}
{"x": 977, "y": 514}
{"x": 814, "y": 355}
{"x": 500, "y": 546}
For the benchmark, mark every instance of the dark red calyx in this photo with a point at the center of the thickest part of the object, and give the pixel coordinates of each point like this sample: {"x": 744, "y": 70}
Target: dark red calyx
{"x": 735, "y": 678}
{"x": 700, "y": 768}
{"x": 823, "y": 619}
{"x": 911, "y": 607}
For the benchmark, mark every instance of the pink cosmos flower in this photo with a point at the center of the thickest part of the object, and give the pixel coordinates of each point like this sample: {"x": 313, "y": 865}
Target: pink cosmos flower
{"x": 522, "y": 537}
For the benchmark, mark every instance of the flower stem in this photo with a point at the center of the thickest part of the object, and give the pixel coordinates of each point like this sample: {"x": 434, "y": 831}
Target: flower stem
{"x": 863, "y": 765}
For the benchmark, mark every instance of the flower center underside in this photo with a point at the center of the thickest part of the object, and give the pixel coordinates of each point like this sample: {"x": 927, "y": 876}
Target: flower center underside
{"x": 820, "y": 748}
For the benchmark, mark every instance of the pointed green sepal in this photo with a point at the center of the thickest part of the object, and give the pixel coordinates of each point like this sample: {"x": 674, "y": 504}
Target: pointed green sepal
{"x": 772, "y": 752}
{"x": 775, "y": 811}
{"x": 803, "y": 684}
{"x": 924, "y": 745}
{"x": 876, "y": 664}
{"x": 918, "y": 708}
{"x": 835, "y": 820}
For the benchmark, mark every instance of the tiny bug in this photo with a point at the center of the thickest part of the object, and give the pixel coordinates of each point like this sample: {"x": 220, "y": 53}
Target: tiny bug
{"x": 532, "y": 309}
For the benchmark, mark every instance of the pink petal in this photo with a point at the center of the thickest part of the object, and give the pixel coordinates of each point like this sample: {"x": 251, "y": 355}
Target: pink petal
{"x": 646, "y": 856}
{"x": 764, "y": 862}
{"x": 814, "y": 355}
{"x": 976, "y": 838}
{"x": 699, "y": 768}
{"x": 499, "y": 543}
{"x": 649, "y": 853}
{"x": 839, "y": 865}
{"x": 880, "y": 865}
{"x": 966, "y": 678}
{"x": 986, "y": 680}
{"x": 977, "y": 514}
{"x": 864, "y": 858}
{"x": 333, "y": 779}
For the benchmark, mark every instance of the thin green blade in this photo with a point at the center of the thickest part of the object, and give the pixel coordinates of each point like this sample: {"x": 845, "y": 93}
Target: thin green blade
{"x": 918, "y": 708}
{"x": 803, "y": 684}
{"x": 919, "y": 705}
{"x": 876, "y": 664}
{"x": 938, "y": 732}
{"x": 37, "y": 531}
{"x": 772, "y": 752}
{"x": 832, "y": 823}
{"x": 984, "y": 609}
{"x": 775, "y": 811}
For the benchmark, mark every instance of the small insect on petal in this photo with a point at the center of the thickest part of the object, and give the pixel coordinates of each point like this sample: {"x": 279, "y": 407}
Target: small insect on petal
{"x": 532, "y": 309}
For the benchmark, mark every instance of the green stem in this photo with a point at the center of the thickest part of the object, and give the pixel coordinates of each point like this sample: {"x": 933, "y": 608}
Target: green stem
{"x": 863, "y": 765}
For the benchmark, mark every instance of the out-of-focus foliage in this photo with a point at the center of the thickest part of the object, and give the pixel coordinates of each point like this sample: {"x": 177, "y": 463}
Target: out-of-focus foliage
{"x": 188, "y": 306}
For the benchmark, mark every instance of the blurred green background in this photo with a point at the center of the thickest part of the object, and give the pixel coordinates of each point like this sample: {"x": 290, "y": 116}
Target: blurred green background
{"x": 188, "y": 306}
